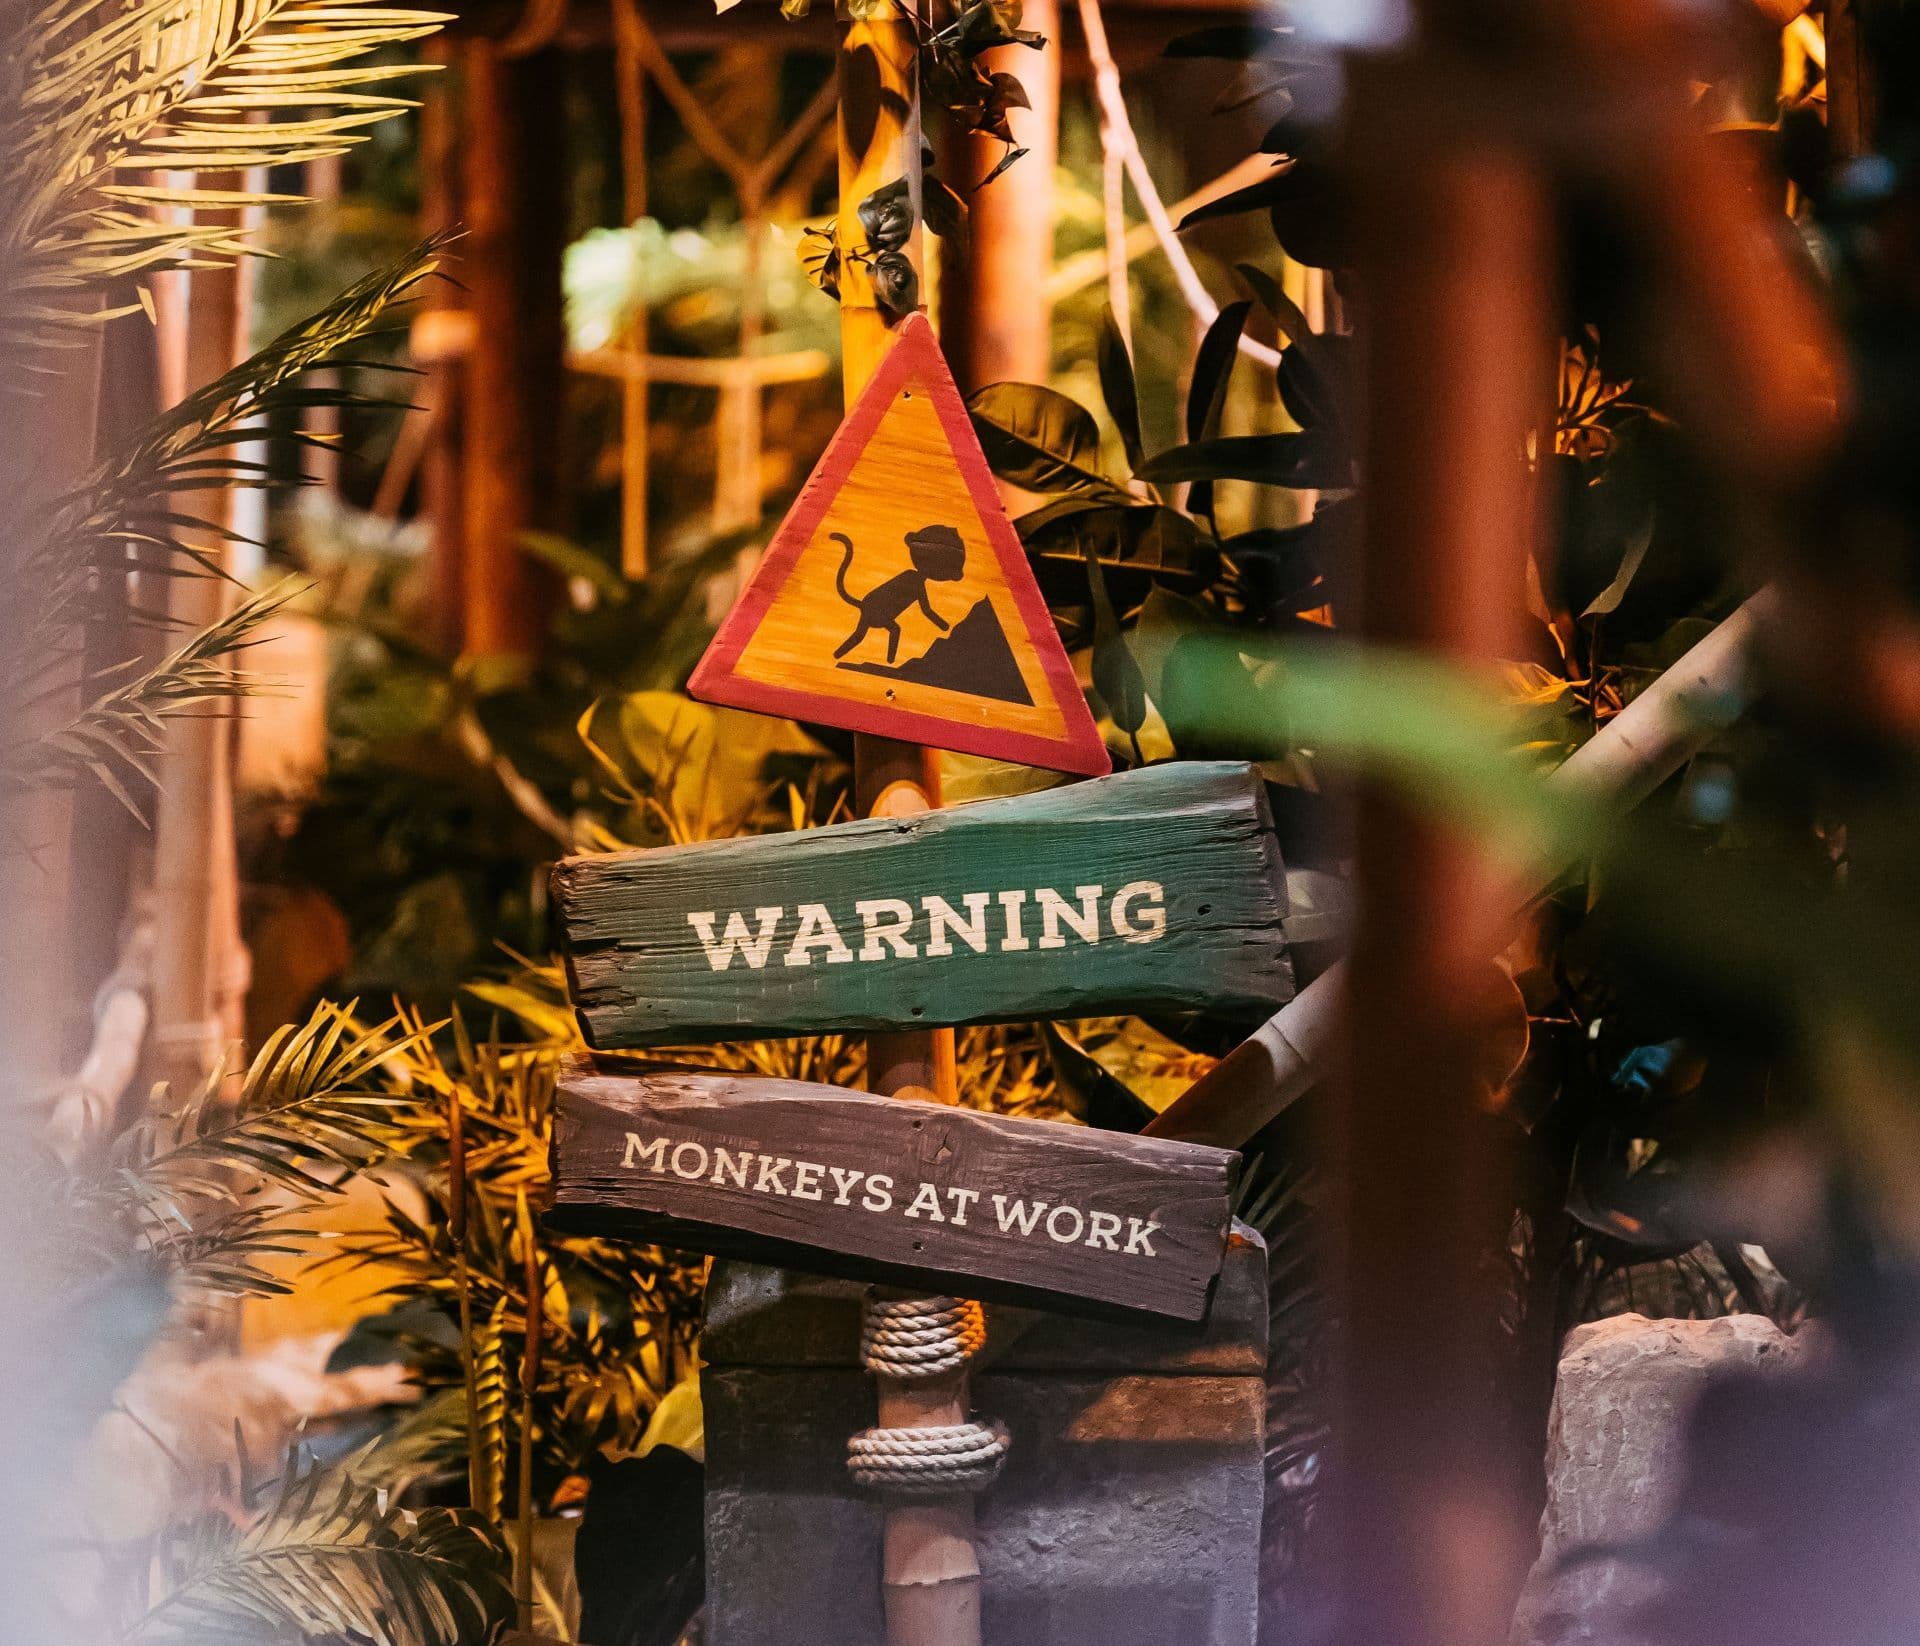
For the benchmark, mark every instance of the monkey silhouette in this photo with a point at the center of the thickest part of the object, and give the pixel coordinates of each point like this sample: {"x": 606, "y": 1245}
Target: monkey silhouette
{"x": 938, "y": 556}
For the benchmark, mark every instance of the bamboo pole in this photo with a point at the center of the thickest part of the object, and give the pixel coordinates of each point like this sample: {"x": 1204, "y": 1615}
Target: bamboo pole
{"x": 1850, "y": 92}
{"x": 1457, "y": 269}
{"x": 442, "y": 480}
{"x": 630, "y": 88}
{"x": 1665, "y": 725}
{"x": 516, "y": 215}
{"x": 997, "y": 315}
{"x": 200, "y": 965}
{"x": 930, "y": 1574}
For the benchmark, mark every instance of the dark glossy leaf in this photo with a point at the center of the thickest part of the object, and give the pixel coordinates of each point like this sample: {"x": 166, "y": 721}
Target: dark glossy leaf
{"x": 1010, "y": 93}
{"x": 1207, "y": 389}
{"x": 896, "y": 284}
{"x": 1315, "y": 381}
{"x": 1645, "y": 1211}
{"x": 1254, "y": 82}
{"x": 1307, "y": 460}
{"x": 1310, "y": 216}
{"x": 1136, "y": 537}
{"x": 1608, "y": 599}
{"x": 1116, "y": 675}
{"x": 1266, "y": 193}
{"x": 820, "y": 258}
{"x": 1213, "y": 369}
{"x": 1282, "y": 566}
{"x": 1091, "y": 1092}
{"x": 1005, "y": 161}
{"x": 1117, "y": 386}
{"x": 886, "y": 216}
{"x": 1274, "y": 299}
{"x": 944, "y": 211}
{"x": 639, "y": 1557}
{"x": 1039, "y": 439}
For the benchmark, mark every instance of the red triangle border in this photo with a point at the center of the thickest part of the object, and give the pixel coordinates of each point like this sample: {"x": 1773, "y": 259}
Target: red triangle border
{"x": 713, "y": 681}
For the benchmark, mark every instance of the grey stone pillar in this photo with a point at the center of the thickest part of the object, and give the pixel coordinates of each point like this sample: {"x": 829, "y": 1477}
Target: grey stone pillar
{"x": 1128, "y": 1513}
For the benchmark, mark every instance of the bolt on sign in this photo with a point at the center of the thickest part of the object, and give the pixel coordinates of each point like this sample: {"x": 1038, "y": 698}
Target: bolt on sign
{"x": 885, "y": 1188}
{"x": 1158, "y": 888}
{"x": 896, "y": 598}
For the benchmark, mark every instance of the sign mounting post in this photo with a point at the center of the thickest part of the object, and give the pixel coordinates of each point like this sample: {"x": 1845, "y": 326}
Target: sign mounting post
{"x": 930, "y": 1571}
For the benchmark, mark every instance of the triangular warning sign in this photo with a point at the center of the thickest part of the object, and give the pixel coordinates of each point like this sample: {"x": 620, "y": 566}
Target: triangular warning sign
{"x": 895, "y": 597}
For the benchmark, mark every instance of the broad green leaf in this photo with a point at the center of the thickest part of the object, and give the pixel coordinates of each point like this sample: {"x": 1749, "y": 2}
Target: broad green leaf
{"x": 1309, "y": 460}
{"x": 1039, "y": 439}
{"x": 569, "y": 559}
{"x": 1134, "y": 536}
{"x": 1117, "y": 386}
{"x": 678, "y": 1421}
{"x": 704, "y": 767}
{"x": 1116, "y": 676}
{"x": 1609, "y": 598}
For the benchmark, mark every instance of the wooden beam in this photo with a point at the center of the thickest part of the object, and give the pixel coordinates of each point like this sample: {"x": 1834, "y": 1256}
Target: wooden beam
{"x": 1458, "y": 259}
{"x": 997, "y": 306}
{"x": 515, "y": 209}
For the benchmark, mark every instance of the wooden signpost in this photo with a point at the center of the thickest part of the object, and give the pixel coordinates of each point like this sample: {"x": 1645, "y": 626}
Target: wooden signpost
{"x": 896, "y": 599}
{"x": 1161, "y": 887}
{"x": 844, "y": 1182}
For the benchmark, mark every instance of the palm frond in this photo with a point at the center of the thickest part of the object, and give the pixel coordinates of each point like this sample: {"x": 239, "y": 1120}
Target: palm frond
{"x": 125, "y": 513}
{"x": 329, "y": 1558}
{"x": 134, "y": 512}
{"x": 226, "y": 1254}
{"x": 317, "y": 1101}
{"x": 116, "y": 737}
{"x": 112, "y": 92}
{"x": 426, "y": 1440}
{"x": 489, "y": 1435}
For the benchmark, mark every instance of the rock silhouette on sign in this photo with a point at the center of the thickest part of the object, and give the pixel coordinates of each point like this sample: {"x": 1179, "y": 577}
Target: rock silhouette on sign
{"x": 972, "y": 657}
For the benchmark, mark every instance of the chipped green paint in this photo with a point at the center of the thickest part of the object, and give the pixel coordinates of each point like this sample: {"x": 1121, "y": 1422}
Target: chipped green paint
{"x": 1161, "y": 888}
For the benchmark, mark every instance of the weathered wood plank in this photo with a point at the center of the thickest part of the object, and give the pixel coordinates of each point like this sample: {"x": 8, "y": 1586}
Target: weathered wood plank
{"x": 1159, "y": 888}
{"x": 841, "y": 1182}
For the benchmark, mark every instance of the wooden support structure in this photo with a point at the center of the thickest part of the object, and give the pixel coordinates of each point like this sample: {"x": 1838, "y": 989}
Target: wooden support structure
{"x": 515, "y": 210}
{"x": 997, "y": 306}
{"x": 1458, "y": 269}
{"x": 930, "y": 1573}
{"x": 640, "y": 59}
{"x": 630, "y": 92}
{"x": 200, "y": 964}
{"x": 443, "y": 466}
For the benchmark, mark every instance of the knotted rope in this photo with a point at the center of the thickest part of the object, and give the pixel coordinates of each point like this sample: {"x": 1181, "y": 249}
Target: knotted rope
{"x": 908, "y": 1339}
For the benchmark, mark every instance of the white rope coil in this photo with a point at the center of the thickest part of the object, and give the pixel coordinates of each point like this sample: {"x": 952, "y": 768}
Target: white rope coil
{"x": 916, "y": 1337}
{"x": 930, "y": 1462}
{"x": 907, "y": 1339}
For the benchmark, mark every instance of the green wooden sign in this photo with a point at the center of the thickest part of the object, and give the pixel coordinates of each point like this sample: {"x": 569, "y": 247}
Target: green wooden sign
{"x": 1159, "y": 888}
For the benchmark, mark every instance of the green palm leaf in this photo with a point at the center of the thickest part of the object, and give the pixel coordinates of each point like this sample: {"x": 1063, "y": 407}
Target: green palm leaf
{"x": 317, "y": 1101}
{"x": 330, "y": 1557}
{"x": 127, "y": 515}
{"x": 113, "y": 91}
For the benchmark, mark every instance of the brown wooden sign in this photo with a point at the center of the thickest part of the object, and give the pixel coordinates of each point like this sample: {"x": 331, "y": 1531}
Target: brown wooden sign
{"x": 1160, "y": 888}
{"x": 840, "y": 1182}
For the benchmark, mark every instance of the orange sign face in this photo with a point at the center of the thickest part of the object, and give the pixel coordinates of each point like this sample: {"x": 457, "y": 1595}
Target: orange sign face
{"x": 896, "y": 598}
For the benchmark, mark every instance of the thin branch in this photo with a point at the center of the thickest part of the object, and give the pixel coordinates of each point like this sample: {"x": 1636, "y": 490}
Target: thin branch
{"x": 1117, "y": 129}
